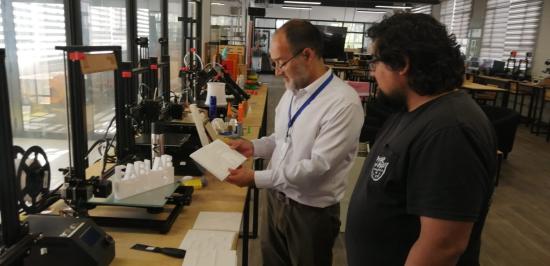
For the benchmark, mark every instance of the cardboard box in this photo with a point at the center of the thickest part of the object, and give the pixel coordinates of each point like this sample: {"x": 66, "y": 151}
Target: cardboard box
{"x": 94, "y": 63}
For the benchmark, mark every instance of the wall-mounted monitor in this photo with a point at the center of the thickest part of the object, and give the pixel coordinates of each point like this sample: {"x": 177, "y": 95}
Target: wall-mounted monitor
{"x": 334, "y": 40}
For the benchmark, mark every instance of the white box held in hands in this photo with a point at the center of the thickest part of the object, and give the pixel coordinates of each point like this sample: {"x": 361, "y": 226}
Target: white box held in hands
{"x": 139, "y": 177}
{"x": 217, "y": 157}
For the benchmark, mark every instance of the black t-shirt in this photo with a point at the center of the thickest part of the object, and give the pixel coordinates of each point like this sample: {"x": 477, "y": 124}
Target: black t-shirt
{"x": 437, "y": 161}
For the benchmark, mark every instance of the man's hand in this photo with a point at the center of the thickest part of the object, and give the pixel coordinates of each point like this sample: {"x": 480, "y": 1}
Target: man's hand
{"x": 242, "y": 177}
{"x": 244, "y": 147}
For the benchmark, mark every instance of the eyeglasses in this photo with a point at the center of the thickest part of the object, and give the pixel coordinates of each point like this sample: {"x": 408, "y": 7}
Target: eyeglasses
{"x": 373, "y": 63}
{"x": 274, "y": 65}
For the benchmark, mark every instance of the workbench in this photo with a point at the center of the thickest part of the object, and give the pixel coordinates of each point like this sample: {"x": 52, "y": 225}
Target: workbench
{"x": 216, "y": 196}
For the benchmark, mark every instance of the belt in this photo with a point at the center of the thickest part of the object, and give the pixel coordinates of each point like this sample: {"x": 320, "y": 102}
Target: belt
{"x": 288, "y": 201}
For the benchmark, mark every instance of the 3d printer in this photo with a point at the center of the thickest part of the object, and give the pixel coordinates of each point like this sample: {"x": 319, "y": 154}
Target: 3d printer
{"x": 43, "y": 239}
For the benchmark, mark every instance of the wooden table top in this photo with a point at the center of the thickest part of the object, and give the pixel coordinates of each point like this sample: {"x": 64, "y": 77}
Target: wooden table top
{"x": 496, "y": 78}
{"x": 534, "y": 85}
{"x": 256, "y": 105}
{"x": 480, "y": 87}
{"x": 344, "y": 67}
{"x": 526, "y": 83}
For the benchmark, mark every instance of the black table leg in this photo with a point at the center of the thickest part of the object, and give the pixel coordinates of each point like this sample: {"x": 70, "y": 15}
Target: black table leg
{"x": 255, "y": 213}
{"x": 530, "y": 111}
{"x": 246, "y": 228}
{"x": 516, "y": 100}
{"x": 535, "y": 109}
{"x": 505, "y": 97}
{"x": 539, "y": 120}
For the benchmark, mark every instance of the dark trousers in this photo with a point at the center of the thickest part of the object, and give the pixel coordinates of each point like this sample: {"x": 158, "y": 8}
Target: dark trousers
{"x": 297, "y": 234}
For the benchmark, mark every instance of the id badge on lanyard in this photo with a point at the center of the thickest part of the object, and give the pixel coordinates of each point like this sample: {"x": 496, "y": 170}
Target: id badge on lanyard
{"x": 286, "y": 145}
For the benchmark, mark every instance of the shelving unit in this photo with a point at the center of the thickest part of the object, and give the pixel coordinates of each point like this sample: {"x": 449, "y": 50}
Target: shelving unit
{"x": 228, "y": 29}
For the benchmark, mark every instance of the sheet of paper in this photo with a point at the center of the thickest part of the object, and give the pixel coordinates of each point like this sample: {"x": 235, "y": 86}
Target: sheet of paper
{"x": 209, "y": 239}
{"x": 219, "y": 221}
{"x": 217, "y": 157}
{"x": 209, "y": 257}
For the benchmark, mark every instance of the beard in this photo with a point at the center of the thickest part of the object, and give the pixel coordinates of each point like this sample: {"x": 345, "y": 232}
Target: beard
{"x": 300, "y": 79}
{"x": 396, "y": 99}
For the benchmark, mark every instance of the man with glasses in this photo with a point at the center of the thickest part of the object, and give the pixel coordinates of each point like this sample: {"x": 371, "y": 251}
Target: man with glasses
{"x": 425, "y": 188}
{"x": 317, "y": 125}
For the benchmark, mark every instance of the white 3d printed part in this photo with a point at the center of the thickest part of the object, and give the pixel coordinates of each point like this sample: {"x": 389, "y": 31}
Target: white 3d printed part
{"x": 139, "y": 177}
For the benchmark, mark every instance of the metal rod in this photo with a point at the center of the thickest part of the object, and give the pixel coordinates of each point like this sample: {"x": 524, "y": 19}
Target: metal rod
{"x": 131, "y": 31}
{"x": 77, "y": 118}
{"x": 73, "y": 22}
{"x": 11, "y": 228}
{"x": 124, "y": 137}
{"x": 256, "y": 212}
{"x": 185, "y": 16}
{"x": 165, "y": 72}
{"x": 164, "y": 28}
{"x": 246, "y": 227}
{"x": 81, "y": 48}
{"x": 164, "y": 51}
{"x": 198, "y": 20}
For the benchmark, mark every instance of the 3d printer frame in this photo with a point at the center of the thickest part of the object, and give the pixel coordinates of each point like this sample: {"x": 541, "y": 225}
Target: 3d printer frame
{"x": 15, "y": 237}
{"x": 125, "y": 94}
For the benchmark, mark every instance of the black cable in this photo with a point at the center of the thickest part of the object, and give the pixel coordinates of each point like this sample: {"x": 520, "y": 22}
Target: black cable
{"x": 109, "y": 145}
{"x": 99, "y": 141}
{"x": 109, "y": 127}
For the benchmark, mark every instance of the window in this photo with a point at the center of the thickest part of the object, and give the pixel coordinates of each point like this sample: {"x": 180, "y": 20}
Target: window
{"x": 455, "y": 14}
{"x": 30, "y": 32}
{"x": 366, "y": 44}
{"x": 356, "y": 38}
{"x": 148, "y": 24}
{"x": 422, "y": 9}
{"x": 175, "y": 43}
{"x": 229, "y": 21}
{"x": 265, "y": 23}
{"x": 280, "y": 22}
{"x": 104, "y": 23}
{"x": 1, "y": 29}
{"x": 354, "y": 42}
{"x": 230, "y": 28}
{"x": 327, "y": 23}
{"x": 510, "y": 25}
{"x": 355, "y": 27}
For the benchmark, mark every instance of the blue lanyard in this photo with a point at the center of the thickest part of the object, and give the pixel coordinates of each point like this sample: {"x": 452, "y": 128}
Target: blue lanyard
{"x": 292, "y": 119}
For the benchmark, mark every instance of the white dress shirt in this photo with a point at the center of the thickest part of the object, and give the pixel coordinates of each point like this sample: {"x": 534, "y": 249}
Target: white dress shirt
{"x": 321, "y": 146}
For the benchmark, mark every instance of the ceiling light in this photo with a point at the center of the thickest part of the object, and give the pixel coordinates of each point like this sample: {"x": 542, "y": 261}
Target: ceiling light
{"x": 298, "y": 7}
{"x": 395, "y": 7}
{"x": 217, "y": 4}
{"x": 303, "y": 3}
{"x": 370, "y": 11}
